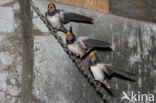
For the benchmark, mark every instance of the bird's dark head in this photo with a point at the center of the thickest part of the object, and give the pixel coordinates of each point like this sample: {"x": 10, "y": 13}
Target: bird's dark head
{"x": 70, "y": 37}
{"x": 93, "y": 58}
{"x": 51, "y": 7}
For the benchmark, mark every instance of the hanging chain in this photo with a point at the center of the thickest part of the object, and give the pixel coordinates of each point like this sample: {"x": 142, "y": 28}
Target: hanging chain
{"x": 97, "y": 86}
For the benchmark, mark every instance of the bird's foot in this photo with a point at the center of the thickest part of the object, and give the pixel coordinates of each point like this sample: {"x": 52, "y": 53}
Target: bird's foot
{"x": 55, "y": 30}
{"x": 66, "y": 45}
{"x": 106, "y": 83}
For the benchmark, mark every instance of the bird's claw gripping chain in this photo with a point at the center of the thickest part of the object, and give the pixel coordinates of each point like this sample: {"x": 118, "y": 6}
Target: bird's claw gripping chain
{"x": 100, "y": 90}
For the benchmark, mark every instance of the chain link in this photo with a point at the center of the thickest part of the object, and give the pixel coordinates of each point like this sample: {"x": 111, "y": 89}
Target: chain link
{"x": 97, "y": 87}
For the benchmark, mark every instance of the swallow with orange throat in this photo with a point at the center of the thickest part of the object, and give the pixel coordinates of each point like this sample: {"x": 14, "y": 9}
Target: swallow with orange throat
{"x": 81, "y": 45}
{"x": 57, "y": 18}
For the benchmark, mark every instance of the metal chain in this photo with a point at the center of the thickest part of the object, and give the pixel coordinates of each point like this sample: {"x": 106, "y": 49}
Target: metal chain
{"x": 97, "y": 86}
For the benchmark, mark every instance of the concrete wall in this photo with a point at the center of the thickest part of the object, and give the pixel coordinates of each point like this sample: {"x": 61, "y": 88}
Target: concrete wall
{"x": 134, "y": 51}
{"x": 10, "y": 52}
{"x": 137, "y": 9}
{"x": 57, "y": 80}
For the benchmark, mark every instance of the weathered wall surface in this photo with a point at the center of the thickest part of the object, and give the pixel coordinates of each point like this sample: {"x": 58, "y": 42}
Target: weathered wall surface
{"x": 10, "y": 51}
{"x": 57, "y": 80}
{"x": 136, "y": 9}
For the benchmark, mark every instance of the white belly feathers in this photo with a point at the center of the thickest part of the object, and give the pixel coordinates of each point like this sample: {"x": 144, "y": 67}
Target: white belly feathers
{"x": 75, "y": 48}
{"x": 98, "y": 74}
{"x": 54, "y": 21}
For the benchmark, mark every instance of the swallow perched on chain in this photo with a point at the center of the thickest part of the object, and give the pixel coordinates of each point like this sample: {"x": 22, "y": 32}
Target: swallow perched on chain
{"x": 101, "y": 71}
{"x": 57, "y": 18}
{"x": 82, "y": 45}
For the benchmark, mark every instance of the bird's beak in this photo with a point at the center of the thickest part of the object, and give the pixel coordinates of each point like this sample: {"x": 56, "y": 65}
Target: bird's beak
{"x": 68, "y": 35}
{"x": 91, "y": 55}
{"x": 51, "y": 7}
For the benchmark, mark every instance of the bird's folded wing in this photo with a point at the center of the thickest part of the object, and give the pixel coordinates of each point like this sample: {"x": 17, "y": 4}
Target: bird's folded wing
{"x": 91, "y": 43}
{"x": 110, "y": 70}
{"x": 68, "y": 16}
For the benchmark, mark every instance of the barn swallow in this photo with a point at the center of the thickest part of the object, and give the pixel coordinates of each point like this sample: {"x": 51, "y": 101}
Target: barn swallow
{"x": 101, "y": 71}
{"x": 57, "y": 18}
{"x": 82, "y": 45}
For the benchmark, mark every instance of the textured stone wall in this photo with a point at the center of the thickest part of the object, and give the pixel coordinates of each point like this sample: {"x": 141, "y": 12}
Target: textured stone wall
{"x": 56, "y": 79}
{"x": 134, "y": 43}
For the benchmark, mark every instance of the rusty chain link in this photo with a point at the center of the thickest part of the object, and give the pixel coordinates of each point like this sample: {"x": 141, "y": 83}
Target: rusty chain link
{"x": 97, "y": 86}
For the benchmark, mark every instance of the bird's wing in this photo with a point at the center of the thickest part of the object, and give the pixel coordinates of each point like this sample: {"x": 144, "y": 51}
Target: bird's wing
{"x": 110, "y": 70}
{"x": 91, "y": 43}
{"x": 81, "y": 40}
{"x": 68, "y": 16}
{"x": 102, "y": 66}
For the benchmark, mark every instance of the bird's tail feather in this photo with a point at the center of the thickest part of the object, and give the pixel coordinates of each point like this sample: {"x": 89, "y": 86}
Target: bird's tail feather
{"x": 120, "y": 73}
{"x": 110, "y": 90}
